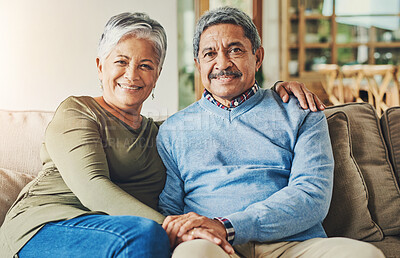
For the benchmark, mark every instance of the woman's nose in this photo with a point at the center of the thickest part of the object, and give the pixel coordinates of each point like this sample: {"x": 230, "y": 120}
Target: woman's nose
{"x": 131, "y": 73}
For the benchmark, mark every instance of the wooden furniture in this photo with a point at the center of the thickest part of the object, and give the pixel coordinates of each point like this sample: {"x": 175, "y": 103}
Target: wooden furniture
{"x": 380, "y": 89}
{"x": 322, "y": 31}
{"x": 331, "y": 73}
{"x": 382, "y": 82}
{"x": 355, "y": 73}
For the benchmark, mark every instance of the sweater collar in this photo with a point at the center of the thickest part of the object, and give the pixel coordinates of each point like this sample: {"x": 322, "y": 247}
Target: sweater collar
{"x": 236, "y": 101}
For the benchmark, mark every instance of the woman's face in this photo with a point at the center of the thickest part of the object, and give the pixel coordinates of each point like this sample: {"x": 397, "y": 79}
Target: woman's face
{"x": 129, "y": 73}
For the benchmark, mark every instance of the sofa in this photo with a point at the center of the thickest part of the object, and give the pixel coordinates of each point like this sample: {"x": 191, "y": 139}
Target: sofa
{"x": 366, "y": 195}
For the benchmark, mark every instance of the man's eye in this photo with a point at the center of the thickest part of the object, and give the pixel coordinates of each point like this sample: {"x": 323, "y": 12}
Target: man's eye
{"x": 236, "y": 50}
{"x": 209, "y": 54}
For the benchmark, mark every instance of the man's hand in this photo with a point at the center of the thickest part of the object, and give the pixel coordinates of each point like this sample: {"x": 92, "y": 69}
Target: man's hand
{"x": 306, "y": 98}
{"x": 189, "y": 226}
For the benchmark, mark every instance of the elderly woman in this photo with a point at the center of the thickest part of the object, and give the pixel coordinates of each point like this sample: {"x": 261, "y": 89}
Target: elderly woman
{"x": 98, "y": 191}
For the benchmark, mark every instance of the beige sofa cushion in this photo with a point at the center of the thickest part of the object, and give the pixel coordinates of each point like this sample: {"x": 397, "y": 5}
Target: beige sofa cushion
{"x": 348, "y": 214}
{"x": 11, "y": 183}
{"x": 371, "y": 156}
{"x": 390, "y": 122}
{"x": 21, "y": 135}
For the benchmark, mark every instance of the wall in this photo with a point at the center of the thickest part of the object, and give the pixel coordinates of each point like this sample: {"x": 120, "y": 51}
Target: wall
{"x": 48, "y": 50}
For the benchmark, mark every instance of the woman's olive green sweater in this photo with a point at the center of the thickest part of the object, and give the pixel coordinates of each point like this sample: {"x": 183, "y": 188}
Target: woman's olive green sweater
{"x": 93, "y": 163}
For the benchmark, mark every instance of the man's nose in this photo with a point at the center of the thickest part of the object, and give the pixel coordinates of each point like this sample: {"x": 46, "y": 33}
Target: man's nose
{"x": 222, "y": 62}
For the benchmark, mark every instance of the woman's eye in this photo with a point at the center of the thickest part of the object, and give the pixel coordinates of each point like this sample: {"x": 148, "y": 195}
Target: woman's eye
{"x": 146, "y": 66}
{"x": 121, "y": 62}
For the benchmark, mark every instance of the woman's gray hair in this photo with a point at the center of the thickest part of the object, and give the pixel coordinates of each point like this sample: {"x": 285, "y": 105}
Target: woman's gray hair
{"x": 226, "y": 15}
{"x": 139, "y": 25}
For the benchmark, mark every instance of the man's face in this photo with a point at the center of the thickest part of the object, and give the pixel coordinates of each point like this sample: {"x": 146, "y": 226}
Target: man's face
{"x": 226, "y": 63}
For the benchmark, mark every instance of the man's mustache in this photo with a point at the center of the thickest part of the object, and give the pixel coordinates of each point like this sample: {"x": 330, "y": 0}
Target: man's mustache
{"x": 224, "y": 73}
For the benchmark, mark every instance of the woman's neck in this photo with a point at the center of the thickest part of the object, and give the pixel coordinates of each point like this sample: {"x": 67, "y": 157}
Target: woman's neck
{"x": 131, "y": 118}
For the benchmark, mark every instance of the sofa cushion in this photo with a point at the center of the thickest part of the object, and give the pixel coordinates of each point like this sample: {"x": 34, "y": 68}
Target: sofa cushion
{"x": 348, "y": 214}
{"x": 390, "y": 246}
{"x": 390, "y": 122}
{"x": 21, "y": 135}
{"x": 11, "y": 183}
{"x": 371, "y": 156}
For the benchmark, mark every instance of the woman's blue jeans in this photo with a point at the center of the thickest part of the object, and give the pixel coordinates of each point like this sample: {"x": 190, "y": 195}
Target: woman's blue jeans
{"x": 99, "y": 236}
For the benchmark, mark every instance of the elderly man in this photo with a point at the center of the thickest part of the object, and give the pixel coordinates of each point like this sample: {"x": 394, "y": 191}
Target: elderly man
{"x": 244, "y": 168}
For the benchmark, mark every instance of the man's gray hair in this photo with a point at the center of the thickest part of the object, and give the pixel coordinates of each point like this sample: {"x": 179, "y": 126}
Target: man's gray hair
{"x": 139, "y": 25}
{"x": 226, "y": 15}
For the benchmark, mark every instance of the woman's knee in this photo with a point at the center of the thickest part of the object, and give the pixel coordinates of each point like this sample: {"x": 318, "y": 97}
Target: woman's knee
{"x": 153, "y": 229}
{"x": 147, "y": 237}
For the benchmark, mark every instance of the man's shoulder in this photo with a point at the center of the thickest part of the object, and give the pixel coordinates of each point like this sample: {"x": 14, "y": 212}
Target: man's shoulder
{"x": 273, "y": 101}
{"x": 273, "y": 105}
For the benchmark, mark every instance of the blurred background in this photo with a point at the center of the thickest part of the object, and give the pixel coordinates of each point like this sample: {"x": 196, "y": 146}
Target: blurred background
{"x": 344, "y": 51}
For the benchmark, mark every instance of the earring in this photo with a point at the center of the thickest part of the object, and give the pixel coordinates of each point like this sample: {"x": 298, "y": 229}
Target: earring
{"x": 101, "y": 84}
{"x": 152, "y": 94}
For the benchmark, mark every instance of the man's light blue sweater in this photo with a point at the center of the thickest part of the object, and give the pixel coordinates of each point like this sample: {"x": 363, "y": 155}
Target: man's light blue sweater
{"x": 265, "y": 165}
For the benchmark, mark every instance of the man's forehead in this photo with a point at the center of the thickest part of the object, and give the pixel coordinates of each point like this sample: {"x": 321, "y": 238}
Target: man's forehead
{"x": 223, "y": 33}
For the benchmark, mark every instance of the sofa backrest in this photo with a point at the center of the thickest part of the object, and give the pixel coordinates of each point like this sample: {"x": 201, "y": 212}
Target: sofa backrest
{"x": 366, "y": 198}
{"x": 362, "y": 154}
{"x": 390, "y": 123}
{"x": 21, "y": 135}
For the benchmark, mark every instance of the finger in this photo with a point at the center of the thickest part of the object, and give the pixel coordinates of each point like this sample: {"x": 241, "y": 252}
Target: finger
{"x": 173, "y": 229}
{"x": 284, "y": 94}
{"x": 302, "y": 92}
{"x": 206, "y": 234}
{"x": 310, "y": 101}
{"x": 192, "y": 223}
{"x": 282, "y": 91}
{"x": 298, "y": 90}
{"x": 172, "y": 238}
{"x": 191, "y": 220}
{"x": 319, "y": 103}
{"x": 167, "y": 220}
{"x": 209, "y": 235}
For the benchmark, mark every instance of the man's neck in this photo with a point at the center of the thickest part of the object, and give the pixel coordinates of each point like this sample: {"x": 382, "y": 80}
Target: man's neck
{"x": 228, "y": 103}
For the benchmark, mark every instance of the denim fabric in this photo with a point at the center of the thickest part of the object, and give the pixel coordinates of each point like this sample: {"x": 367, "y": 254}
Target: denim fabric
{"x": 99, "y": 236}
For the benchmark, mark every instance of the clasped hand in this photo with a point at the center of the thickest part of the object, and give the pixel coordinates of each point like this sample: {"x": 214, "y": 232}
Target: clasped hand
{"x": 181, "y": 228}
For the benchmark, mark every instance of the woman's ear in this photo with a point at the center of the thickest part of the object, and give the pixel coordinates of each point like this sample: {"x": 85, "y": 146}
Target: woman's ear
{"x": 99, "y": 68}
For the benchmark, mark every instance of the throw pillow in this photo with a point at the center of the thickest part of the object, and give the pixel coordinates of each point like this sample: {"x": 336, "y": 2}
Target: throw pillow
{"x": 11, "y": 183}
{"x": 348, "y": 214}
{"x": 390, "y": 122}
{"x": 371, "y": 155}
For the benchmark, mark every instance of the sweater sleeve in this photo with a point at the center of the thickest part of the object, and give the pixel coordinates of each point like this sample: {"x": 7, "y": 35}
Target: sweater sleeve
{"x": 171, "y": 201}
{"x": 74, "y": 143}
{"x": 304, "y": 202}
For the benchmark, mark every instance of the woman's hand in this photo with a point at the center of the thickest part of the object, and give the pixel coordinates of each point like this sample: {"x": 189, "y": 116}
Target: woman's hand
{"x": 306, "y": 98}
